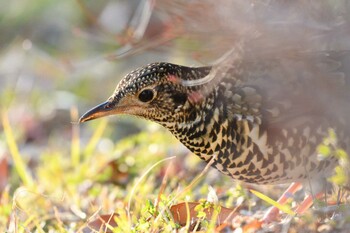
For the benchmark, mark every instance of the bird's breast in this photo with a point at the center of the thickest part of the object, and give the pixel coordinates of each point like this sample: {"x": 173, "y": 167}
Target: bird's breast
{"x": 243, "y": 149}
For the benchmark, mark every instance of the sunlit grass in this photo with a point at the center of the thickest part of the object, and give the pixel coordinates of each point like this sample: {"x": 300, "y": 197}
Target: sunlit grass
{"x": 284, "y": 208}
{"x": 16, "y": 156}
{"x": 66, "y": 191}
{"x": 70, "y": 187}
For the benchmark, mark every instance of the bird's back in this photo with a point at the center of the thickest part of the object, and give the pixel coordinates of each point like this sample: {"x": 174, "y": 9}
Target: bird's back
{"x": 264, "y": 118}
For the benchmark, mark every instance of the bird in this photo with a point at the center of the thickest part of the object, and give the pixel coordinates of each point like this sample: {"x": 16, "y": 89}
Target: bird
{"x": 256, "y": 116}
{"x": 260, "y": 123}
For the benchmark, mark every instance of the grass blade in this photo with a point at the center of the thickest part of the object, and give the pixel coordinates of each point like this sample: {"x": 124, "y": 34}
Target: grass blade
{"x": 16, "y": 156}
{"x": 75, "y": 147}
{"x": 95, "y": 137}
{"x": 281, "y": 207}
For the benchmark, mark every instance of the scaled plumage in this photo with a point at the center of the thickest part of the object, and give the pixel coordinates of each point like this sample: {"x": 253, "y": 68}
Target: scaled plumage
{"x": 261, "y": 122}
{"x": 261, "y": 110}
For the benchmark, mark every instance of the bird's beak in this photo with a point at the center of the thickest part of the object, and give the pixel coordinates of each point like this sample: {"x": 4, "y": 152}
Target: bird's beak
{"x": 100, "y": 110}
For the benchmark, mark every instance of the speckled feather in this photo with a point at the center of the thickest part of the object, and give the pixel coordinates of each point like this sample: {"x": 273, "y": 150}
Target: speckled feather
{"x": 260, "y": 121}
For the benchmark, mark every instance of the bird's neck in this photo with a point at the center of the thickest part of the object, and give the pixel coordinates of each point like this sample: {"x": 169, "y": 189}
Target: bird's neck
{"x": 198, "y": 124}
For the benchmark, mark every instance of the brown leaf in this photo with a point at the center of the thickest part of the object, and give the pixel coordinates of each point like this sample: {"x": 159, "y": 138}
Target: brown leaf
{"x": 3, "y": 173}
{"x": 253, "y": 226}
{"x": 102, "y": 224}
{"x": 180, "y": 210}
{"x": 116, "y": 176}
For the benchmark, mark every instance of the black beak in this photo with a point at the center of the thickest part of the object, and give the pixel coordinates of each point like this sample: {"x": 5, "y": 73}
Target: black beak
{"x": 100, "y": 110}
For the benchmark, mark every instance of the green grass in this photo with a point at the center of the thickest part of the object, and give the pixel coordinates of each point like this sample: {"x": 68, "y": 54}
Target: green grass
{"x": 69, "y": 187}
{"x": 135, "y": 178}
{"x": 16, "y": 157}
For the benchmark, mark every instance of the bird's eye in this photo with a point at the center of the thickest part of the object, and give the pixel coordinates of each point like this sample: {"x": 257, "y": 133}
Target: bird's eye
{"x": 146, "y": 95}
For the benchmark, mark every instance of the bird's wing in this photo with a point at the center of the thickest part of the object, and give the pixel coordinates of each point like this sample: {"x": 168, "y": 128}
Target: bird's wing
{"x": 304, "y": 87}
{"x": 292, "y": 89}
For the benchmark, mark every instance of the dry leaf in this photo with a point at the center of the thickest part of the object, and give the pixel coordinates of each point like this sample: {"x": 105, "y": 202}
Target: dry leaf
{"x": 180, "y": 211}
{"x": 102, "y": 224}
{"x": 3, "y": 173}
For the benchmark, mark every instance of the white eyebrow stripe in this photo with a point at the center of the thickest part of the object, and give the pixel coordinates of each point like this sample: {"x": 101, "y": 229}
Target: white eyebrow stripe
{"x": 213, "y": 73}
{"x": 197, "y": 82}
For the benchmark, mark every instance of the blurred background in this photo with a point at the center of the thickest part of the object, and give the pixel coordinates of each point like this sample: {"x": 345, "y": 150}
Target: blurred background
{"x": 60, "y": 55}
{"x": 56, "y": 56}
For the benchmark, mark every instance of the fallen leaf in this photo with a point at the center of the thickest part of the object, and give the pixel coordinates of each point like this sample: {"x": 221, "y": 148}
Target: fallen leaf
{"x": 3, "y": 173}
{"x": 103, "y": 223}
{"x": 180, "y": 211}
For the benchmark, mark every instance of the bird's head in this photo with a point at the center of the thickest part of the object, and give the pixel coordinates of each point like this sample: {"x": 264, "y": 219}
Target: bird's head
{"x": 154, "y": 92}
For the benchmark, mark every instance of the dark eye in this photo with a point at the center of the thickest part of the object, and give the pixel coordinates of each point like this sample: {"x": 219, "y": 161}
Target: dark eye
{"x": 146, "y": 95}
